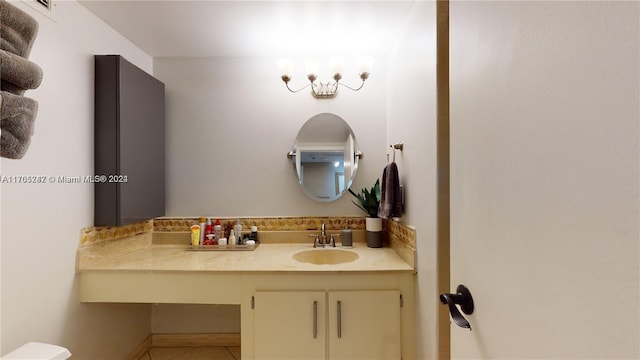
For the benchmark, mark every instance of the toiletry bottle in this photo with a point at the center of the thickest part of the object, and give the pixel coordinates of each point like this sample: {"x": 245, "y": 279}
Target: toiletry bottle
{"x": 238, "y": 230}
{"x": 195, "y": 235}
{"x": 202, "y": 226}
{"x": 208, "y": 228}
{"x": 217, "y": 230}
{"x": 232, "y": 238}
{"x": 254, "y": 234}
{"x": 208, "y": 240}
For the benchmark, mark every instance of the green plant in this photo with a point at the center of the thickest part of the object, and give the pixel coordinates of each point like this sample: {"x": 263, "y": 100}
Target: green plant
{"x": 369, "y": 200}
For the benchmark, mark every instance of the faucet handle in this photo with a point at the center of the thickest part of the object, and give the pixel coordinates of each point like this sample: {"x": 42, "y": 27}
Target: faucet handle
{"x": 317, "y": 239}
{"x": 333, "y": 240}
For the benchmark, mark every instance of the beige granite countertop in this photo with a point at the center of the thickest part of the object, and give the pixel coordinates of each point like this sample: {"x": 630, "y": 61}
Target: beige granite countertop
{"x": 141, "y": 255}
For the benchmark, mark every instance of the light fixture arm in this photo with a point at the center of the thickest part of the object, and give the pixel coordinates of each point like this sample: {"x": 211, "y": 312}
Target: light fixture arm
{"x": 364, "y": 76}
{"x": 286, "y": 80}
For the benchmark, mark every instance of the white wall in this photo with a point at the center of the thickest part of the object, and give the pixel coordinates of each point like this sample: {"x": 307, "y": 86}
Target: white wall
{"x": 41, "y": 223}
{"x": 230, "y": 124}
{"x": 411, "y": 113}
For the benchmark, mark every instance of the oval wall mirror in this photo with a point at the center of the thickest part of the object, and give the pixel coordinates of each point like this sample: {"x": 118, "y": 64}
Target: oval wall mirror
{"x": 325, "y": 157}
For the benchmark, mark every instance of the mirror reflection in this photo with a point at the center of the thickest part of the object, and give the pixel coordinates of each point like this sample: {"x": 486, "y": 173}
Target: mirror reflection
{"x": 325, "y": 157}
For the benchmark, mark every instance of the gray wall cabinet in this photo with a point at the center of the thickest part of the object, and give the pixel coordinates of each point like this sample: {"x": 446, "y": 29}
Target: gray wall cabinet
{"x": 129, "y": 143}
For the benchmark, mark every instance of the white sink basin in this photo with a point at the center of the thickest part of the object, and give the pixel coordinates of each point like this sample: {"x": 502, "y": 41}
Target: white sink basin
{"x": 325, "y": 256}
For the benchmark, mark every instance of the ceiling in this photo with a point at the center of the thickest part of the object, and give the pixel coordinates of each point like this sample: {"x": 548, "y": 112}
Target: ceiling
{"x": 238, "y": 28}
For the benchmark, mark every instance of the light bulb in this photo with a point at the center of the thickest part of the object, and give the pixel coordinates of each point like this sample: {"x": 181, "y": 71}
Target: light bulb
{"x": 285, "y": 66}
{"x": 365, "y": 63}
{"x": 311, "y": 67}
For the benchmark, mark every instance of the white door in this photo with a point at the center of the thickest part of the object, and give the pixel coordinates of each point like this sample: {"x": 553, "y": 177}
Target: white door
{"x": 544, "y": 178}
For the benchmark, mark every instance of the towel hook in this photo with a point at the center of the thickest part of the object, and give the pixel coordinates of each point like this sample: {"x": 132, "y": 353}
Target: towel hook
{"x": 396, "y": 146}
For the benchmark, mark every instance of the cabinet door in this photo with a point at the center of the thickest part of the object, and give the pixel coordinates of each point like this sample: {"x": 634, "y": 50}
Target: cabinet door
{"x": 364, "y": 325}
{"x": 290, "y": 325}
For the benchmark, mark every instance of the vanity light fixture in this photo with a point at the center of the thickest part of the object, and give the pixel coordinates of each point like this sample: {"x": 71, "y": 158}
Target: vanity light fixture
{"x": 327, "y": 90}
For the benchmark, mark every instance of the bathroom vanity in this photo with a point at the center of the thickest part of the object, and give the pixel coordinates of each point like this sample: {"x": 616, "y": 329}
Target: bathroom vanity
{"x": 326, "y": 306}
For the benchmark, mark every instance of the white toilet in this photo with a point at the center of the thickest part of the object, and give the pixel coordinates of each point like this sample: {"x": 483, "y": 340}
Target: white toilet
{"x": 38, "y": 351}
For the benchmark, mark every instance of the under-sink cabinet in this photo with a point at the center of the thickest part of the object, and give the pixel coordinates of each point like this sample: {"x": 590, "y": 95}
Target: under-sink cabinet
{"x": 358, "y": 324}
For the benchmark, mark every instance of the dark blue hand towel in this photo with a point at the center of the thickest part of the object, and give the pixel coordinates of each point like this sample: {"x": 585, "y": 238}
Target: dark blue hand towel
{"x": 391, "y": 199}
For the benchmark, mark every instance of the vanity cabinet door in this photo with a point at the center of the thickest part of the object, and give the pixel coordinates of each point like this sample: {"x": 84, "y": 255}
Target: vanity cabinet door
{"x": 289, "y": 325}
{"x": 364, "y": 325}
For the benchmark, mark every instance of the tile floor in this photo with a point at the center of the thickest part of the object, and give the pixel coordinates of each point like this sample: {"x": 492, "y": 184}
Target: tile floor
{"x": 193, "y": 353}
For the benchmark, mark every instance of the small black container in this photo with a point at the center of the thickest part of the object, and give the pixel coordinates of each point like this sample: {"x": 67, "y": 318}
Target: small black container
{"x": 254, "y": 234}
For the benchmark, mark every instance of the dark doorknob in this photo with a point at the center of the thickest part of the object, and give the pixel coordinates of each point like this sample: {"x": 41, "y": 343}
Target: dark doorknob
{"x": 463, "y": 298}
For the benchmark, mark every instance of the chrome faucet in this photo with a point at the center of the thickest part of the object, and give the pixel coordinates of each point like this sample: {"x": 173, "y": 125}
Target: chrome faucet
{"x": 323, "y": 236}
{"x": 321, "y": 240}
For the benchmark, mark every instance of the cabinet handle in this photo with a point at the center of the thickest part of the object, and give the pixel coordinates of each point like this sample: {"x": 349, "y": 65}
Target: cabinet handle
{"x": 315, "y": 319}
{"x": 339, "y": 319}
